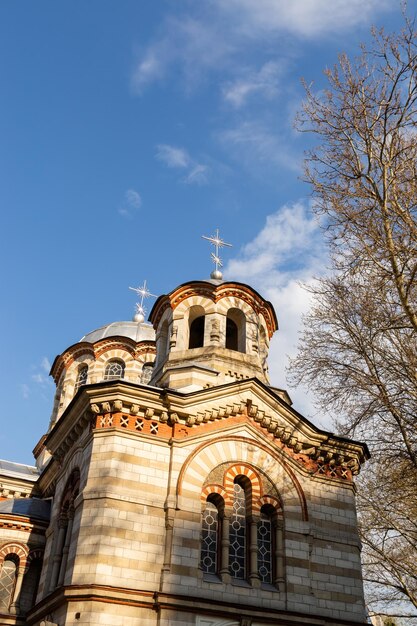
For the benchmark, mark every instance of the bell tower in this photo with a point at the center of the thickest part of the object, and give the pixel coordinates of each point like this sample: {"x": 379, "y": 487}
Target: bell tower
{"x": 210, "y": 333}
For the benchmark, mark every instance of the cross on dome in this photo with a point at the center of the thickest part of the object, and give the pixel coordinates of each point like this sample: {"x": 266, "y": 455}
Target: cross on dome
{"x": 218, "y": 243}
{"x": 143, "y": 292}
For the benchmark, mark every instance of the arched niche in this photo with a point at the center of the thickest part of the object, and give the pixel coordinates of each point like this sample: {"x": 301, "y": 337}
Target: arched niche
{"x": 236, "y": 330}
{"x": 196, "y": 326}
{"x": 240, "y": 450}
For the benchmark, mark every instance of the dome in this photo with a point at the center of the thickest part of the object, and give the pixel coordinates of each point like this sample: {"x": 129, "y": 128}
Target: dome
{"x": 30, "y": 507}
{"x": 134, "y": 330}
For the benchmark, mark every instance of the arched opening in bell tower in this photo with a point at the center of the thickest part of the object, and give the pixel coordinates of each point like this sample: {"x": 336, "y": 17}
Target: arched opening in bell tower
{"x": 196, "y": 321}
{"x": 236, "y": 330}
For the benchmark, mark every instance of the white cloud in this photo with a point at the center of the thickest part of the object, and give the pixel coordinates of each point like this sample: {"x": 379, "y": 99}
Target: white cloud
{"x": 25, "y": 390}
{"x": 178, "y": 158}
{"x": 198, "y": 175}
{"x": 264, "y": 82}
{"x": 288, "y": 245}
{"x": 306, "y": 18}
{"x": 39, "y": 378}
{"x": 131, "y": 203}
{"x": 287, "y": 251}
{"x": 172, "y": 156}
{"x": 190, "y": 43}
{"x": 45, "y": 364}
{"x": 255, "y": 144}
{"x": 151, "y": 67}
{"x": 213, "y": 36}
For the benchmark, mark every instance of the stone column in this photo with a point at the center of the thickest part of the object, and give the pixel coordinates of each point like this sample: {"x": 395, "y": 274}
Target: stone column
{"x": 279, "y": 581}
{"x": 59, "y": 545}
{"x": 66, "y": 547}
{"x": 253, "y": 552}
{"x": 15, "y": 607}
{"x": 225, "y": 543}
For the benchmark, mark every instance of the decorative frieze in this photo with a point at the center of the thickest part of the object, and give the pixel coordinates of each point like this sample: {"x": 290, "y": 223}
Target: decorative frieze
{"x": 321, "y": 460}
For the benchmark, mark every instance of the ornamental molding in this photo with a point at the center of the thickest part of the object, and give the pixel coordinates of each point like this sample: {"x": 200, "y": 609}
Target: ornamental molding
{"x": 97, "y": 349}
{"x": 216, "y": 293}
{"x": 324, "y": 459}
{"x": 170, "y": 415}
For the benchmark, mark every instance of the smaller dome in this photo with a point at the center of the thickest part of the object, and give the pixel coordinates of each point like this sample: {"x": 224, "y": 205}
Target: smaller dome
{"x": 29, "y": 507}
{"x": 134, "y": 330}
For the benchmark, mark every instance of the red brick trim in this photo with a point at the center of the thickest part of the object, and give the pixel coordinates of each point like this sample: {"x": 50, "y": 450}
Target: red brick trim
{"x": 19, "y": 549}
{"x": 272, "y": 453}
{"x": 217, "y": 489}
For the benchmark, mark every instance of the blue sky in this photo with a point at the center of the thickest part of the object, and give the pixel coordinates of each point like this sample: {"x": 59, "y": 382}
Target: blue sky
{"x": 128, "y": 130}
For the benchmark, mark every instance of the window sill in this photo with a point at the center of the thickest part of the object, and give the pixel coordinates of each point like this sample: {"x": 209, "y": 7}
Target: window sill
{"x": 211, "y": 578}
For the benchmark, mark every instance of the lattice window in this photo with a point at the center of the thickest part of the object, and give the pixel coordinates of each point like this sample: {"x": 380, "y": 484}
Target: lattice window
{"x": 138, "y": 424}
{"x": 146, "y": 374}
{"x": 209, "y": 539}
{"x": 265, "y": 548}
{"x": 237, "y": 550}
{"x": 114, "y": 370}
{"x": 81, "y": 377}
{"x": 7, "y": 582}
{"x": 124, "y": 421}
{"x": 154, "y": 428}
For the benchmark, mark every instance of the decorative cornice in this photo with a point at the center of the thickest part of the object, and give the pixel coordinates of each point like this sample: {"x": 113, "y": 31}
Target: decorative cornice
{"x": 22, "y": 523}
{"x": 151, "y": 412}
{"x": 96, "y": 349}
{"x": 215, "y": 293}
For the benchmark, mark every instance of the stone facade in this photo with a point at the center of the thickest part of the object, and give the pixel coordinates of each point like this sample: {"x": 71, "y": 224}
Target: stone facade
{"x": 186, "y": 490}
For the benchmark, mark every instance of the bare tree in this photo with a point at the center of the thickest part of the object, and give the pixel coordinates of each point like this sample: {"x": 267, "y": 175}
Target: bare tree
{"x": 388, "y": 526}
{"x": 358, "y": 350}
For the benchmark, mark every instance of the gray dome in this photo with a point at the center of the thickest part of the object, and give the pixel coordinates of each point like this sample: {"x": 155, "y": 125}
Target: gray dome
{"x": 29, "y": 507}
{"x": 134, "y": 330}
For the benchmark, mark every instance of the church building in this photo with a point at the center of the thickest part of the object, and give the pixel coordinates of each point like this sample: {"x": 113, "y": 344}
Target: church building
{"x": 176, "y": 486}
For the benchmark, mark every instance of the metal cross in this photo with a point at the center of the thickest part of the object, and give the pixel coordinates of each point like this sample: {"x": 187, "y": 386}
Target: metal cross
{"x": 217, "y": 243}
{"x": 143, "y": 292}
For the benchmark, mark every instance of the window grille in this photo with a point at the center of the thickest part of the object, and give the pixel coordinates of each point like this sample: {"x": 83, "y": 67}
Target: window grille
{"x": 146, "y": 374}
{"x": 81, "y": 377}
{"x": 7, "y": 582}
{"x": 114, "y": 370}
{"x": 209, "y": 540}
{"x": 265, "y": 549}
{"x": 237, "y": 551}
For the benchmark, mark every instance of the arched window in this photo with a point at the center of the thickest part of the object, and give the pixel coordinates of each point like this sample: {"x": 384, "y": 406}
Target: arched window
{"x": 242, "y": 536}
{"x": 236, "y": 330}
{"x": 196, "y": 326}
{"x": 114, "y": 369}
{"x": 197, "y": 332}
{"x": 81, "y": 377}
{"x": 62, "y": 539}
{"x": 31, "y": 584}
{"x": 266, "y": 544}
{"x": 231, "y": 334}
{"x": 210, "y": 537}
{"x": 8, "y": 577}
{"x": 238, "y": 533}
{"x": 146, "y": 374}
